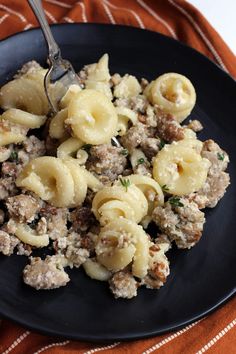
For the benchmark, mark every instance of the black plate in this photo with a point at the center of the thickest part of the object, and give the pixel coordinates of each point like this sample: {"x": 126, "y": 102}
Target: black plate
{"x": 202, "y": 278}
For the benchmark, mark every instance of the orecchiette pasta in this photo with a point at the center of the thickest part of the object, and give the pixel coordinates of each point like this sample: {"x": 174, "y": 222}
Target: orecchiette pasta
{"x": 180, "y": 168}
{"x": 61, "y": 182}
{"x": 173, "y": 93}
{"x": 121, "y": 242}
{"x": 128, "y": 87}
{"x": 69, "y": 148}
{"x": 26, "y": 93}
{"x": 30, "y": 237}
{"x": 96, "y": 270}
{"x": 24, "y": 119}
{"x": 92, "y": 117}
{"x": 57, "y": 125}
{"x": 11, "y": 133}
{"x": 124, "y": 116}
{"x": 112, "y": 202}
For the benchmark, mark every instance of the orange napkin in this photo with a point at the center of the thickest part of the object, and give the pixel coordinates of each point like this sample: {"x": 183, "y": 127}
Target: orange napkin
{"x": 177, "y": 19}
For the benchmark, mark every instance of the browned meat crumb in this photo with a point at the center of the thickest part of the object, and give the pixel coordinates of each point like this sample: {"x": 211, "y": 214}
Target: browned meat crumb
{"x": 34, "y": 147}
{"x": 138, "y": 103}
{"x": 81, "y": 218}
{"x": 195, "y": 125}
{"x": 45, "y": 274}
{"x": 122, "y": 284}
{"x": 150, "y": 147}
{"x": 106, "y": 160}
{"x": 168, "y": 128}
{"x": 184, "y": 225}
{"x": 29, "y": 67}
{"x": 143, "y": 169}
{"x": 217, "y": 180}
{"x": 23, "y": 249}
{"x": 75, "y": 253}
{"x": 134, "y": 136}
{"x": 23, "y": 207}
{"x": 7, "y": 187}
{"x": 10, "y": 169}
{"x": 56, "y": 221}
{"x": 7, "y": 243}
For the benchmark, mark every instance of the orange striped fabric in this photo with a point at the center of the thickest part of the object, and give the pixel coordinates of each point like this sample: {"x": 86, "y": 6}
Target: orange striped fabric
{"x": 177, "y": 19}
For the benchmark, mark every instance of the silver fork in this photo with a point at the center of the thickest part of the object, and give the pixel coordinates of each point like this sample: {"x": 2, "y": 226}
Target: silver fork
{"x": 60, "y": 70}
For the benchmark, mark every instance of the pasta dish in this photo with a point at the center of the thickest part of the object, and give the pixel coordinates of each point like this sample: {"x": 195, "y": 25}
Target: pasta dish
{"x": 66, "y": 187}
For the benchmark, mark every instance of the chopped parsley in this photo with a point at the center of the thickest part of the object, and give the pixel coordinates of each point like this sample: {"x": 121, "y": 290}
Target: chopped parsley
{"x": 220, "y": 156}
{"x": 124, "y": 152}
{"x": 175, "y": 201}
{"x": 14, "y": 156}
{"x": 86, "y": 147}
{"x": 164, "y": 188}
{"x": 125, "y": 183}
{"x": 162, "y": 144}
{"x": 140, "y": 161}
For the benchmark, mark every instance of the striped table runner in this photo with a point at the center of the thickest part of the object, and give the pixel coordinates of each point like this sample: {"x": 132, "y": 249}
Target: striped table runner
{"x": 177, "y": 19}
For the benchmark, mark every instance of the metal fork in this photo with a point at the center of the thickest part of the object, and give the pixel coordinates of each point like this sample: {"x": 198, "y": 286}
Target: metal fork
{"x": 60, "y": 70}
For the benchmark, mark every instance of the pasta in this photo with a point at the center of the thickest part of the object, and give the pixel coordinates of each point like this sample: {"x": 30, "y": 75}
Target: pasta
{"x": 62, "y": 183}
{"x": 92, "y": 117}
{"x": 26, "y": 93}
{"x": 91, "y": 179}
{"x": 173, "y": 93}
{"x": 128, "y": 87}
{"x": 113, "y": 202}
{"x": 181, "y": 168}
{"x": 124, "y": 116}
{"x": 121, "y": 242}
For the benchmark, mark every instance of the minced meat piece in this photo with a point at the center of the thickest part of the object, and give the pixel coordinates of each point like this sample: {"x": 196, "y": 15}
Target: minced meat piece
{"x": 168, "y": 128}
{"x": 45, "y": 274}
{"x": 122, "y": 284}
{"x": 195, "y": 125}
{"x": 150, "y": 147}
{"x": 10, "y": 169}
{"x": 34, "y": 147}
{"x": 7, "y": 243}
{"x": 137, "y": 103}
{"x": 7, "y": 187}
{"x": 135, "y": 136}
{"x": 182, "y": 224}
{"x": 75, "y": 250}
{"x": 81, "y": 218}
{"x": 106, "y": 160}
{"x": 217, "y": 180}
{"x": 23, "y": 207}
{"x": 56, "y": 220}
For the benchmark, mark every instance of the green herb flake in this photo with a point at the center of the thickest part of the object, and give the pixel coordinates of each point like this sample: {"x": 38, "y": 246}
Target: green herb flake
{"x": 164, "y": 188}
{"x": 220, "y": 156}
{"x": 125, "y": 183}
{"x": 14, "y": 156}
{"x": 162, "y": 144}
{"x": 175, "y": 201}
{"x": 124, "y": 152}
{"x": 140, "y": 161}
{"x": 86, "y": 147}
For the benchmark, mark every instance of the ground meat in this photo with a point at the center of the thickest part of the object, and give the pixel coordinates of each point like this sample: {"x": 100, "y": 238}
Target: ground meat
{"x": 34, "y": 147}
{"x": 7, "y": 243}
{"x": 29, "y": 67}
{"x": 23, "y": 249}
{"x": 81, "y": 218}
{"x": 184, "y": 225}
{"x": 195, "y": 125}
{"x": 10, "y": 169}
{"x": 217, "y": 180}
{"x": 45, "y": 274}
{"x": 56, "y": 220}
{"x": 143, "y": 169}
{"x": 168, "y": 128}
{"x": 137, "y": 103}
{"x": 106, "y": 160}
{"x": 135, "y": 136}
{"x": 75, "y": 253}
{"x": 23, "y": 207}
{"x": 122, "y": 284}
{"x": 7, "y": 187}
{"x": 150, "y": 147}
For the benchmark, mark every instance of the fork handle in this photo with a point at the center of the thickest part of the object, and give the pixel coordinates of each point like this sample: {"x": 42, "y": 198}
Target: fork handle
{"x": 53, "y": 49}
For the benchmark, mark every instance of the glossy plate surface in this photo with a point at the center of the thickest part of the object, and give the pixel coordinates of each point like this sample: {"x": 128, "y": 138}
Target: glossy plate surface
{"x": 201, "y": 278}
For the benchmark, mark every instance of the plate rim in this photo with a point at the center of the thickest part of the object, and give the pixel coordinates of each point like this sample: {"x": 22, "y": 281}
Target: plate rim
{"x": 129, "y": 337}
